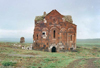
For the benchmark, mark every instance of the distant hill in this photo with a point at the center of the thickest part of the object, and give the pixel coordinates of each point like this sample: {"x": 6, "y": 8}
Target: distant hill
{"x": 27, "y": 40}
{"x": 88, "y": 40}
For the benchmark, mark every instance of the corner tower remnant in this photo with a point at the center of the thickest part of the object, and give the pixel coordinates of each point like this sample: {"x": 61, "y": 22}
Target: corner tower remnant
{"x": 22, "y": 40}
{"x": 54, "y": 32}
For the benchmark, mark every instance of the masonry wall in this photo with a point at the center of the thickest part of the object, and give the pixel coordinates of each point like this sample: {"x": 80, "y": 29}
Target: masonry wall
{"x": 58, "y": 33}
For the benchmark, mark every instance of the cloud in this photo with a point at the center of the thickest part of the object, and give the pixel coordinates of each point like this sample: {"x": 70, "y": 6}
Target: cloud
{"x": 16, "y": 17}
{"x": 27, "y": 33}
{"x": 88, "y": 27}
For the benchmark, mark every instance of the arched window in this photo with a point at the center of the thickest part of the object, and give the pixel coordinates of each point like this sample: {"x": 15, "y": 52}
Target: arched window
{"x": 37, "y": 36}
{"x": 54, "y": 33}
{"x": 71, "y": 37}
{"x": 54, "y": 20}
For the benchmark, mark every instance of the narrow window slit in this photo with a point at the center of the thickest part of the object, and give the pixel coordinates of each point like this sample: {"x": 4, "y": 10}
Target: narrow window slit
{"x": 37, "y": 36}
{"x": 54, "y": 33}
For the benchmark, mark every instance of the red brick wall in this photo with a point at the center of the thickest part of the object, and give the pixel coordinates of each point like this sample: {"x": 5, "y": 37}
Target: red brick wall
{"x": 65, "y": 32}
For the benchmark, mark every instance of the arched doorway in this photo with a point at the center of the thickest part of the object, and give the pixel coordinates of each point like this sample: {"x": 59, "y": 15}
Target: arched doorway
{"x": 53, "y": 49}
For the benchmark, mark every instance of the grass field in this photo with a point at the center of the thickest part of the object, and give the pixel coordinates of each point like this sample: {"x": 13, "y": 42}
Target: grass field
{"x": 87, "y": 56}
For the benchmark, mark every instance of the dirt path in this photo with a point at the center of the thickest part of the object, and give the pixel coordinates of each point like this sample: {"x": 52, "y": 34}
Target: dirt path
{"x": 89, "y": 63}
{"x": 20, "y": 55}
{"x": 72, "y": 65}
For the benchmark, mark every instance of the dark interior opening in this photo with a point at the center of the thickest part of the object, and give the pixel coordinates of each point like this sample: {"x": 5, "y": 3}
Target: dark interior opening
{"x": 37, "y": 36}
{"x": 44, "y": 46}
{"x": 54, "y": 34}
{"x": 71, "y": 48}
{"x": 43, "y": 33}
{"x": 71, "y": 37}
{"x": 54, "y": 20}
{"x": 53, "y": 49}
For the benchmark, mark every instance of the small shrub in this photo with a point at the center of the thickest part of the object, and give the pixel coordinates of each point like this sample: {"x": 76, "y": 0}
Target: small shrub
{"x": 98, "y": 55}
{"x": 52, "y": 65}
{"x": 95, "y": 48}
{"x": 47, "y": 59}
{"x": 42, "y": 63}
{"x": 93, "y": 53}
{"x": 59, "y": 61}
{"x": 33, "y": 67}
{"x": 78, "y": 47}
{"x": 7, "y": 63}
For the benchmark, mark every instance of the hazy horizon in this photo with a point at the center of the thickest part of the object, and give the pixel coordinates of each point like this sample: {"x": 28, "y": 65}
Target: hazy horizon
{"x": 17, "y": 16}
{"x": 30, "y": 40}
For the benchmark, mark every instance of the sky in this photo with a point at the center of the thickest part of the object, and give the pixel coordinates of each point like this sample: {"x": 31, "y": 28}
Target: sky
{"x": 17, "y": 16}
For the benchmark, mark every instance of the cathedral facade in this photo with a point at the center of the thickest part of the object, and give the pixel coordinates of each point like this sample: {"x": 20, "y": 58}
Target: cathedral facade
{"x": 54, "y": 32}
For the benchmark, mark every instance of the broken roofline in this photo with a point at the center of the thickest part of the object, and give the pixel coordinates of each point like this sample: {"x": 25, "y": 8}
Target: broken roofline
{"x": 67, "y": 18}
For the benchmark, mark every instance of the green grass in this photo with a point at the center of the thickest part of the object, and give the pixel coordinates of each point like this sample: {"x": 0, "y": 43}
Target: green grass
{"x": 81, "y": 64}
{"x": 97, "y": 63}
{"x": 88, "y": 44}
{"x": 8, "y": 63}
{"x": 48, "y": 59}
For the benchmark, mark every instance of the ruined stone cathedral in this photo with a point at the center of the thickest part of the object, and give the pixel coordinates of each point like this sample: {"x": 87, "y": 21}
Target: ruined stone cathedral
{"x": 54, "y": 32}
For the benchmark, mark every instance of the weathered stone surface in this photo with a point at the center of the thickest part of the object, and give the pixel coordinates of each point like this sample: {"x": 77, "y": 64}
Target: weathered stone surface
{"x": 54, "y": 32}
{"x": 22, "y": 40}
